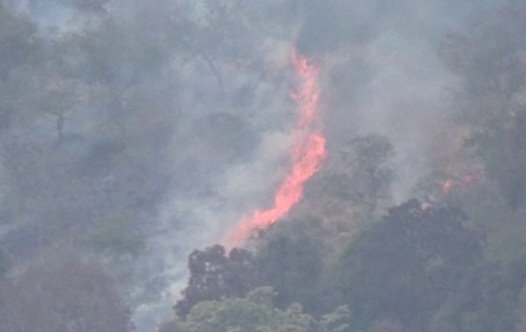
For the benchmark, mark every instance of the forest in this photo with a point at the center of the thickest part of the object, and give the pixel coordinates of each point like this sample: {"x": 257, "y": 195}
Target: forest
{"x": 140, "y": 139}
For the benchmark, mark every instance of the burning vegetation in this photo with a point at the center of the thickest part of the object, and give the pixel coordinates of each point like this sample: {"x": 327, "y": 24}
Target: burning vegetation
{"x": 372, "y": 178}
{"x": 306, "y": 155}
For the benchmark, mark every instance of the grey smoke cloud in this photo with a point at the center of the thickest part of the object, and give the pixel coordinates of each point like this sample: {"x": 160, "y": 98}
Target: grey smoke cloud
{"x": 206, "y": 122}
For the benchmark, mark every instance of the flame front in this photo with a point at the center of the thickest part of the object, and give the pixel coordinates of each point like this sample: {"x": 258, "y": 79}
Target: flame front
{"x": 307, "y": 154}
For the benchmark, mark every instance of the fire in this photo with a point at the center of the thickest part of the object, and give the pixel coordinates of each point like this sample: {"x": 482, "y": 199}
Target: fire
{"x": 448, "y": 185}
{"x": 452, "y": 184}
{"x": 307, "y": 154}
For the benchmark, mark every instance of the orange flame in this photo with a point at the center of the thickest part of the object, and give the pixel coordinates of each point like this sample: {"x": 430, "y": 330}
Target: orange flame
{"x": 307, "y": 154}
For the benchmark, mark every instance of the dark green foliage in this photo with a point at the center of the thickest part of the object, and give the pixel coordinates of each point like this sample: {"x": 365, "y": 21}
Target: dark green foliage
{"x": 503, "y": 149}
{"x": 291, "y": 260}
{"x": 62, "y": 296}
{"x": 367, "y": 163}
{"x": 489, "y": 59}
{"x": 405, "y": 265}
{"x": 215, "y": 275}
{"x": 123, "y": 121}
{"x": 256, "y": 313}
{"x": 486, "y": 300}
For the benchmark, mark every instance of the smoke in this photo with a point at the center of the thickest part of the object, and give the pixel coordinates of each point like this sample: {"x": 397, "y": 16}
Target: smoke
{"x": 199, "y": 97}
{"x": 396, "y": 86}
{"x": 394, "y": 83}
{"x": 306, "y": 154}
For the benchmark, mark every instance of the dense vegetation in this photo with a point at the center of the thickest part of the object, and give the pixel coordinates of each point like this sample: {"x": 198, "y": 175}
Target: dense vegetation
{"x": 126, "y": 127}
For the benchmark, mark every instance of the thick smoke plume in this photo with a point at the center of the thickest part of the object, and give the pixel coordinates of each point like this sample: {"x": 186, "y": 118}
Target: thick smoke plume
{"x": 133, "y": 132}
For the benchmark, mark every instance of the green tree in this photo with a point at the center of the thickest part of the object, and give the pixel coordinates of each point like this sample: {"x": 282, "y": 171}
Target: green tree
{"x": 358, "y": 173}
{"x": 291, "y": 260}
{"x": 488, "y": 299}
{"x": 351, "y": 190}
{"x": 62, "y": 296}
{"x": 405, "y": 265}
{"x": 215, "y": 275}
{"x": 490, "y": 60}
{"x": 255, "y": 313}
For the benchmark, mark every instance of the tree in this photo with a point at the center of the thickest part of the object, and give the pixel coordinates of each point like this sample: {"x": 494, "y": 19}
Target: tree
{"x": 359, "y": 173}
{"x": 215, "y": 275}
{"x": 290, "y": 258}
{"x": 405, "y": 265}
{"x": 367, "y": 162}
{"x": 66, "y": 296}
{"x": 255, "y": 312}
{"x": 490, "y": 60}
{"x": 351, "y": 190}
{"x": 488, "y": 299}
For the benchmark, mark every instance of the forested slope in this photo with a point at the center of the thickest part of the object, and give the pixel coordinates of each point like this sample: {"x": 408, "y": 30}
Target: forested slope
{"x": 135, "y": 135}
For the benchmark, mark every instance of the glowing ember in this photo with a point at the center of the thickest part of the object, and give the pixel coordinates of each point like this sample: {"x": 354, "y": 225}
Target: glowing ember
{"x": 306, "y": 156}
{"x": 448, "y": 185}
{"x": 465, "y": 181}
